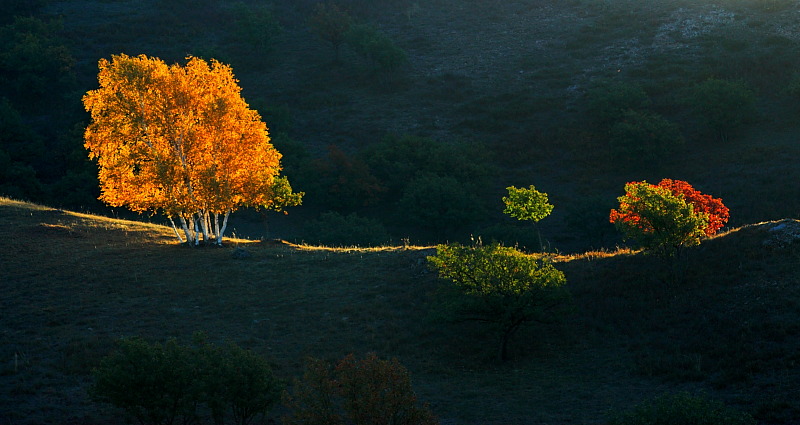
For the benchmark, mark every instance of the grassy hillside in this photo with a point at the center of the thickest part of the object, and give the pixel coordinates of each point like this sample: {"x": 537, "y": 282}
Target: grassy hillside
{"x": 723, "y": 321}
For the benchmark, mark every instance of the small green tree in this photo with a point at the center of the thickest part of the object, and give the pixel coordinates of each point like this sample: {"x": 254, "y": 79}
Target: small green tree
{"x": 500, "y": 286}
{"x": 527, "y": 204}
{"x": 657, "y": 219}
{"x": 331, "y": 23}
{"x": 371, "y": 391}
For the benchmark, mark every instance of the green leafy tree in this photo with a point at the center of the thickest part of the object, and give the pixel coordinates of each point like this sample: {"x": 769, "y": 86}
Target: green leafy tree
{"x": 529, "y": 205}
{"x": 331, "y": 23}
{"x": 657, "y": 219}
{"x": 370, "y": 391}
{"x": 500, "y": 286}
{"x": 723, "y": 106}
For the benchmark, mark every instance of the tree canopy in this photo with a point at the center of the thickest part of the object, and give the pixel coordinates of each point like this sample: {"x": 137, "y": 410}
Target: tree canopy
{"x": 501, "y": 286}
{"x": 180, "y": 140}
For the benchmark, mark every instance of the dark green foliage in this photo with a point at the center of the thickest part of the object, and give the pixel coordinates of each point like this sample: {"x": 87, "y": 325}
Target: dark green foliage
{"x": 331, "y": 23}
{"x": 682, "y": 409}
{"x": 439, "y": 204}
{"x": 155, "y": 384}
{"x": 334, "y": 229}
{"x": 341, "y": 182}
{"x": 17, "y": 179}
{"x": 371, "y": 391}
{"x": 500, "y": 286}
{"x": 587, "y": 217}
{"x": 399, "y": 158}
{"x": 643, "y": 138}
{"x": 723, "y": 106}
{"x": 608, "y": 102}
{"x": 294, "y": 157}
{"x": 376, "y": 47}
{"x": 9, "y": 9}
{"x": 255, "y": 26}
{"x": 238, "y": 381}
{"x": 34, "y": 64}
{"x": 166, "y": 384}
{"x": 16, "y": 137}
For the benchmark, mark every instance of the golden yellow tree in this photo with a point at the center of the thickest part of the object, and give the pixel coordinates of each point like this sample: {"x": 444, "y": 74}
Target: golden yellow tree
{"x": 180, "y": 140}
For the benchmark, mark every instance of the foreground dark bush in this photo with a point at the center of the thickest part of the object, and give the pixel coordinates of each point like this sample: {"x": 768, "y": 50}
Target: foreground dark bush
{"x": 682, "y": 409}
{"x": 170, "y": 383}
{"x": 358, "y": 392}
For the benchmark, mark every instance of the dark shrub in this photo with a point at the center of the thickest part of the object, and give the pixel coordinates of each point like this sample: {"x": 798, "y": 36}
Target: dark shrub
{"x": 682, "y": 409}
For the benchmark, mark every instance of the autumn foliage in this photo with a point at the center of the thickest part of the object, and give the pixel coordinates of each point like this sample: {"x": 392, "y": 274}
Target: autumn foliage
{"x": 180, "y": 140}
{"x": 668, "y": 216}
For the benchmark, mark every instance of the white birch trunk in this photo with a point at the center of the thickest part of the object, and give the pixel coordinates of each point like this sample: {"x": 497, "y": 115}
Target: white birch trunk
{"x": 216, "y": 229}
{"x": 203, "y": 218}
{"x": 196, "y": 231}
{"x": 186, "y": 230}
{"x": 224, "y": 225}
{"x": 175, "y": 229}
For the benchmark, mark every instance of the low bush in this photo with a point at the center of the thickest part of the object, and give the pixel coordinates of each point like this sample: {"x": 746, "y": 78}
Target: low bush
{"x": 371, "y": 391}
{"x": 166, "y": 384}
{"x": 682, "y": 409}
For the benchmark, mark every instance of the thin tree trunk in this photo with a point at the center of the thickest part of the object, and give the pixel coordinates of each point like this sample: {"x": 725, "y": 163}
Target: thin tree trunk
{"x": 224, "y": 226}
{"x": 216, "y": 229}
{"x": 202, "y": 216}
{"x": 186, "y": 230}
{"x": 175, "y": 229}
{"x": 196, "y": 229}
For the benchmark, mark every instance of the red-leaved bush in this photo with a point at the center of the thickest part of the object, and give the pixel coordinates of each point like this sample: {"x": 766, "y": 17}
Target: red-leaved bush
{"x": 718, "y": 214}
{"x": 668, "y": 216}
